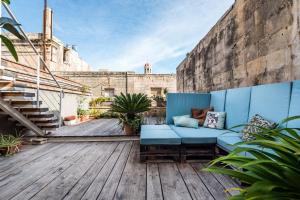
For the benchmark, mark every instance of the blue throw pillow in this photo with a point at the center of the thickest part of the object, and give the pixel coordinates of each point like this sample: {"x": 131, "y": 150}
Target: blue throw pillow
{"x": 186, "y": 121}
{"x": 215, "y": 120}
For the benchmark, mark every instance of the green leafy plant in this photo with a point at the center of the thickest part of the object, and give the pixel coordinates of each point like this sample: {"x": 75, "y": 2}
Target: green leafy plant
{"x": 160, "y": 101}
{"x": 9, "y": 144}
{"x": 82, "y": 112}
{"x": 134, "y": 123}
{"x": 10, "y": 25}
{"x": 130, "y": 107}
{"x": 273, "y": 169}
{"x": 109, "y": 115}
{"x": 97, "y": 101}
{"x": 131, "y": 104}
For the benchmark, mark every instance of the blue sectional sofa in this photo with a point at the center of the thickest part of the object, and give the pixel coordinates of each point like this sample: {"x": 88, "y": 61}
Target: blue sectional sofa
{"x": 272, "y": 101}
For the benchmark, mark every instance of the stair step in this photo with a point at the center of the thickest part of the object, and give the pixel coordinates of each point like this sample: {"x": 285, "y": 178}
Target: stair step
{"x": 41, "y": 120}
{"x": 43, "y": 125}
{"x": 6, "y": 79}
{"x": 8, "y": 93}
{"x": 38, "y": 114}
{"x": 17, "y": 102}
{"x": 32, "y": 109}
{"x": 18, "y": 98}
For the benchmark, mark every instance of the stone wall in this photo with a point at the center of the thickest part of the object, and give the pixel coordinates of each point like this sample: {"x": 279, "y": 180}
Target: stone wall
{"x": 124, "y": 82}
{"x": 255, "y": 42}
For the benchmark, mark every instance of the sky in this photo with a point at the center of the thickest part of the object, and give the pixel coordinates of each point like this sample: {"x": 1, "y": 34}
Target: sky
{"x": 123, "y": 35}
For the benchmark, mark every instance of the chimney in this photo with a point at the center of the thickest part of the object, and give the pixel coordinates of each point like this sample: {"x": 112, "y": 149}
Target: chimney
{"x": 47, "y": 25}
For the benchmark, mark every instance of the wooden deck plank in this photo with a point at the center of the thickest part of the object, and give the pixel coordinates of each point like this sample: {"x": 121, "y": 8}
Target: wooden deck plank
{"x": 228, "y": 183}
{"x": 83, "y": 184}
{"x": 34, "y": 188}
{"x": 14, "y": 184}
{"x": 154, "y": 191}
{"x": 58, "y": 188}
{"x": 95, "y": 188}
{"x": 194, "y": 184}
{"x": 107, "y": 170}
{"x": 173, "y": 185}
{"x": 212, "y": 184}
{"x": 133, "y": 182}
{"x": 112, "y": 182}
{"x": 26, "y": 156}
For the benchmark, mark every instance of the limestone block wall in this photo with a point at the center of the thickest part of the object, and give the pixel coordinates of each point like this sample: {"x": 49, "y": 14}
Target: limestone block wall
{"x": 255, "y": 42}
{"x": 122, "y": 81}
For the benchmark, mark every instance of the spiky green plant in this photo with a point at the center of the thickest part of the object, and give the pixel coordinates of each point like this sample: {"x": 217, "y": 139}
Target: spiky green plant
{"x": 131, "y": 104}
{"x": 10, "y": 25}
{"x": 272, "y": 171}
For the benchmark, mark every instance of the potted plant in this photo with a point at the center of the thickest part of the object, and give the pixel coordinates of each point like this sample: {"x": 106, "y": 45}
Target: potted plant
{"x": 70, "y": 120}
{"x": 130, "y": 107}
{"x": 83, "y": 114}
{"x": 160, "y": 101}
{"x": 9, "y": 144}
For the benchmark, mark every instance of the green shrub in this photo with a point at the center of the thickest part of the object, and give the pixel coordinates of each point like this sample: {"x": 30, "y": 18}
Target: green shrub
{"x": 273, "y": 170}
{"x": 81, "y": 112}
{"x": 108, "y": 115}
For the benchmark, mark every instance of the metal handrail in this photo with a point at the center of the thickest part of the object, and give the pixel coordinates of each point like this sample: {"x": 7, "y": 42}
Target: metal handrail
{"x": 40, "y": 60}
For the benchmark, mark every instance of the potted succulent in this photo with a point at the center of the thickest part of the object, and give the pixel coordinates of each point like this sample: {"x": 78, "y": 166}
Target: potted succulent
{"x": 9, "y": 144}
{"x": 83, "y": 114}
{"x": 70, "y": 120}
{"x": 130, "y": 107}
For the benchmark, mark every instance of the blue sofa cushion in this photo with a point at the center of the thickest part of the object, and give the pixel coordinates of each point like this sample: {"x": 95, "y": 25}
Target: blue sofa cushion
{"x": 154, "y": 127}
{"x": 159, "y": 137}
{"x": 186, "y": 122}
{"x": 197, "y": 136}
{"x": 227, "y": 142}
{"x": 295, "y": 105}
{"x": 237, "y": 107}
{"x": 182, "y": 103}
{"x": 270, "y": 101}
{"x": 218, "y": 100}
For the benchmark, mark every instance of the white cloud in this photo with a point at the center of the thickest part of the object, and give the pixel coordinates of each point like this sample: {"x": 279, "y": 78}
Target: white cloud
{"x": 172, "y": 33}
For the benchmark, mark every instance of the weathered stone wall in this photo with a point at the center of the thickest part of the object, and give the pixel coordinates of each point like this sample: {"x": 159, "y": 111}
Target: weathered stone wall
{"x": 255, "y": 42}
{"x": 122, "y": 81}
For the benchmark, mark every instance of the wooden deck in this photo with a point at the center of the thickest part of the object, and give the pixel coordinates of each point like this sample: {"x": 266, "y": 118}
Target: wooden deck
{"x": 103, "y": 170}
{"x": 98, "y": 127}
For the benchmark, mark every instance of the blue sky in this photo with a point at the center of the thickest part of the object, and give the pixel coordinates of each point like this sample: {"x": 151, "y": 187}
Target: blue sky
{"x": 125, "y": 34}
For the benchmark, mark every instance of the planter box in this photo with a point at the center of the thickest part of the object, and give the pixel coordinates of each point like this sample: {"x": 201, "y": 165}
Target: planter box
{"x": 10, "y": 150}
{"x": 70, "y": 123}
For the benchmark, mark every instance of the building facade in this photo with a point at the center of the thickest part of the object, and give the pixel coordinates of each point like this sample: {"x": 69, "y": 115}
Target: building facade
{"x": 58, "y": 57}
{"x": 110, "y": 83}
{"x": 255, "y": 42}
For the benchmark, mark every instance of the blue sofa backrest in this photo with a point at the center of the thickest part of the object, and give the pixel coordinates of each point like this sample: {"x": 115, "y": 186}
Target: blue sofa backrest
{"x": 270, "y": 101}
{"x": 274, "y": 102}
{"x": 295, "y": 105}
{"x": 237, "y": 107}
{"x": 218, "y": 100}
{"x": 182, "y": 103}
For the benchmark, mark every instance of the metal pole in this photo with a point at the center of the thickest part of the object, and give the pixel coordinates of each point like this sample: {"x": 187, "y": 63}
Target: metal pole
{"x": 38, "y": 82}
{"x": 60, "y": 102}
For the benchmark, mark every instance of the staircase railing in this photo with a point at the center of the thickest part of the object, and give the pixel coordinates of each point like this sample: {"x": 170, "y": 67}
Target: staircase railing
{"x": 40, "y": 61}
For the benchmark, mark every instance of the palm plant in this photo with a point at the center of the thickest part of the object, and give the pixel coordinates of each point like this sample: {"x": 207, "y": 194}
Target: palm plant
{"x": 272, "y": 171}
{"x": 130, "y": 106}
{"x": 9, "y": 25}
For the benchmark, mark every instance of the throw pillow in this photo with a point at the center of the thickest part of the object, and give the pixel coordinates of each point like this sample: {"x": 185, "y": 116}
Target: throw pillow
{"x": 253, "y": 127}
{"x": 176, "y": 118}
{"x": 200, "y": 114}
{"x": 187, "y": 122}
{"x": 215, "y": 120}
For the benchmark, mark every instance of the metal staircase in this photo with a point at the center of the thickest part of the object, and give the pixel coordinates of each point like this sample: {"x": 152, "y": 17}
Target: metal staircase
{"x": 24, "y": 106}
{"x": 18, "y": 105}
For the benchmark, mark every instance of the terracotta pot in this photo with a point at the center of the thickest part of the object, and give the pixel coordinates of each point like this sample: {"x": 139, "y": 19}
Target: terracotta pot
{"x": 84, "y": 118}
{"x": 10, "y": 150}
{"x": 129, "y": 130}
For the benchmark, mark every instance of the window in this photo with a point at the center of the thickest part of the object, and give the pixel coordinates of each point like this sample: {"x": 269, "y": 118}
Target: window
{"x": 53, "y": 54}
{"x": 109, "y": 92}
{"x": 156, "y": 91}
